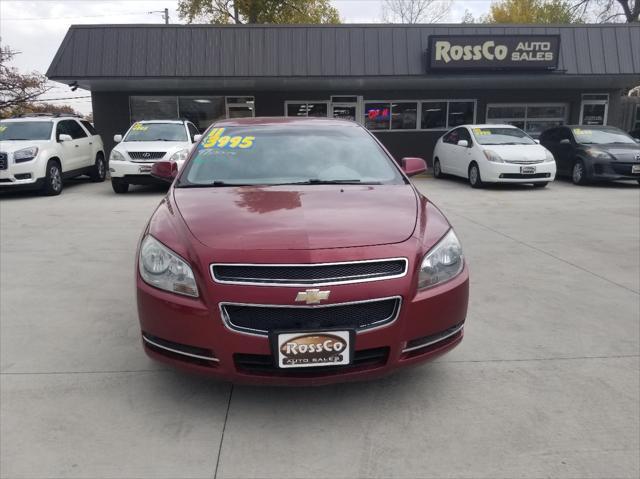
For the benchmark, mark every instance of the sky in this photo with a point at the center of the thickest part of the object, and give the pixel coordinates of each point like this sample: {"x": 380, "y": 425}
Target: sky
{"x": 36, "y": 28}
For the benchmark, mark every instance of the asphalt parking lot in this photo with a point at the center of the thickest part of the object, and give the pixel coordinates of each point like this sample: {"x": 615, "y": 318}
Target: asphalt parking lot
{"x": 545, "y": 384}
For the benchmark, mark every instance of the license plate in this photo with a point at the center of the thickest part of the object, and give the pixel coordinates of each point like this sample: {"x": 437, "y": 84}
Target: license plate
{"x": 145, "y": 169}
{"x": 527, "y": 170}
{"x": 635, "y": 169}
{"x": 312, "y": 349}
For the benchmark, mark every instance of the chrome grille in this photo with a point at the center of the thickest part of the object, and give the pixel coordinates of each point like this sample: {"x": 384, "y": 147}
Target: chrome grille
{"x": 309, "y": 274}
{"x": 525, "y": 162}
{"x": 146, "y": 155}
{"x": 262, "y": 319}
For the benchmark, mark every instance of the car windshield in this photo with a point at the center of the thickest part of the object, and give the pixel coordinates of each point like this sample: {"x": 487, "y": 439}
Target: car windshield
{"x": 157, "y": 132}
{"x": 502, "y": 136}
{"x": 270, "y": 155}
{"x": 25, "y": 130}
{"x": 601, "y": 136}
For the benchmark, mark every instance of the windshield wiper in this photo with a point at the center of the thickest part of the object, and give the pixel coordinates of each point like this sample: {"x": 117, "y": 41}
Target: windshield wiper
{"x": 213, "y": 184}
{"x": 317, "y": 181}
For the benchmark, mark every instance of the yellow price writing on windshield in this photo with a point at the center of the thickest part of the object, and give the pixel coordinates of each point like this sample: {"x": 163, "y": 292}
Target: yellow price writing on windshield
{"x": 2, "y": 128}
{"x": 140, "y": 127}
{"x": 217, "y": 139}
{"x": 480, "y": 132}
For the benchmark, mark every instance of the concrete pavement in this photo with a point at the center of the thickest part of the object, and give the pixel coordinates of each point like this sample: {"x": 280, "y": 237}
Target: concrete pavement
{"x": 545, "y": 384}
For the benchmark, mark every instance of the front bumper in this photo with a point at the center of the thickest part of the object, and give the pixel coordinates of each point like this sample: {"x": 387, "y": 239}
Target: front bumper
{"x": 24, "y": 174}
{"x": 615, "y": 170}
{"x": 491, "y": 172}
{"x": 190, "y": 333}
{"x": 123, "y": 169}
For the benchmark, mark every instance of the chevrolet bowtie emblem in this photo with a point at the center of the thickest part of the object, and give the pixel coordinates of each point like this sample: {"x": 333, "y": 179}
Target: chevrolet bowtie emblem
{"x": 312, "y": 296}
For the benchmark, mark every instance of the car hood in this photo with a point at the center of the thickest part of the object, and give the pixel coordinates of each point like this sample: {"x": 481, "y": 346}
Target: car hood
{"x": 518, "y": 152}
{"x": 621, "y": 152}
{"x": 302, "y": 217}
{"x": 9, "y": 146}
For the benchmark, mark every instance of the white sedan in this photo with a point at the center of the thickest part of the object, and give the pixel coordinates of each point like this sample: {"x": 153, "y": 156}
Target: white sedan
{"x": 492, "y": 154}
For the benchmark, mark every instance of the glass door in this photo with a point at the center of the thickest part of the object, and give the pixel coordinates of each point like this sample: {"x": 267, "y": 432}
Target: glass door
{"x": 344, "y": 111}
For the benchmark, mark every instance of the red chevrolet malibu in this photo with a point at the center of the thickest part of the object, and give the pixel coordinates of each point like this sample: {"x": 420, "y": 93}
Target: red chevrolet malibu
{"x": 295, "y": 251}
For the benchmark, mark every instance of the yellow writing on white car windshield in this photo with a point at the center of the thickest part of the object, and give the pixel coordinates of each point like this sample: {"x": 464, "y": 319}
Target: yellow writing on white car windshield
{"x": 580, "y": 131}
{"x": 481, "y": 132}
{"x": 2, "y": 128}
{"x": 140, "y": 127}
{"x": 217, "y": 139}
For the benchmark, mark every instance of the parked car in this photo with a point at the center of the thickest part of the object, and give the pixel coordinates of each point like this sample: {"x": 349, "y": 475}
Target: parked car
{"x": 296, "y": 251}
{"x": 40, "y": 152}
{"x": 589, "y": 153}
{"x": 145, "y": 143}
{"x": 493, "y": 154}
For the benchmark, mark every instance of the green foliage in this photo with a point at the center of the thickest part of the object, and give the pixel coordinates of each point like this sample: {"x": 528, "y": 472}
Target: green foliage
{"x": 258, "y": 11}
{"x": 532, "y": 11}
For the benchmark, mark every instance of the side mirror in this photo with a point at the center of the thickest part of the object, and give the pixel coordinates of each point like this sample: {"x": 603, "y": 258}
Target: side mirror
{"x": 637, "y": 140}
{"x": 537, "y": 141}
{"x": 165, "y": 170}
{"x": 64, "y": 137}
{"x": 197, "y": 138}
{"x": 564, "y": 141}
{"x": 413, "y": 166}
{"x": 117, "y": 138}
{"x": 464, "y": 143}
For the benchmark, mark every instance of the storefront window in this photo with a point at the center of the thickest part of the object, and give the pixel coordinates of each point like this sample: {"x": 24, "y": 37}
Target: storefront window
{"x": 533, "y": 118}
{"x": 153, "y": 108}
{"x": 434, "y": 115}
{"x": 460, "y": 113}
{"x": 377, "y": 116}
{"x": 202, "y": 111}
{"x": 594, "y": 109}
{"x": 307, "y": 109}
{"x": 240, "y": 107}
{"x": 404, "y": 116}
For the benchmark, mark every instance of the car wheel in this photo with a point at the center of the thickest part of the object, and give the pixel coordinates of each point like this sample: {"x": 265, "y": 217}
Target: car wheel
{"x": 541, "y": 184}
{"x": 99, "y": 172}
{"x": 119, "y": 185}
{"x": 474, "y": 176}
{"x": 437, "y": 169}
{"x": 53, "y": 179}
{"x": 579, "y": 173}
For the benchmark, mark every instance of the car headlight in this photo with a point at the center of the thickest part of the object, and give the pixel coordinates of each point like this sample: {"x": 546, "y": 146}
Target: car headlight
{"x": 493, "y": 156}
{"x": 548, "y": 156}
{"x": 116, "y": 156}
{"x": 180, "y": 155}
{"x": 162, "y": 268}
{"x": 25, "y": 154}
{"x": 443, "y": 262}
{"x": 598, "y": 154}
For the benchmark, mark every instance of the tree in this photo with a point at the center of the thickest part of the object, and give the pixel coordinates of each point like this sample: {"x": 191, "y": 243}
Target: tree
{"x": 610, "y": 10}
{"x": 258, "y": 11}
{"x": 17, "y": 88}
{"x": 533, "y": 11}
{"x": 27, "y": 108}
{"x": 415, "y": 11}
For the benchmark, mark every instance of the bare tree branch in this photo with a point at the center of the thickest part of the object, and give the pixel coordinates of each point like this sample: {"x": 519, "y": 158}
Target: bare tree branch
{"x": 415, "y": 11}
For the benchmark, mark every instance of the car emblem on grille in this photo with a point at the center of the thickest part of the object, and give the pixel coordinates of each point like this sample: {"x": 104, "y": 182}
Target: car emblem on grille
{"x": 146, "y": 155}
{"x": 312, "y": 296}
{"x": 637, "y": 156}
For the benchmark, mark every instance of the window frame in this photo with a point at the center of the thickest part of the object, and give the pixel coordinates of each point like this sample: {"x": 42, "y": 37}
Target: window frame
{"x": 305, "y": 102}
{"x": 595, "y": 99}
{"x": 525, "y": 119}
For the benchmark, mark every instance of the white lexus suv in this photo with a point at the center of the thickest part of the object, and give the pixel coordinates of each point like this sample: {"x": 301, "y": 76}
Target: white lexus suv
{"x": 39, "y": 152}
{"x": 145, "y": 143}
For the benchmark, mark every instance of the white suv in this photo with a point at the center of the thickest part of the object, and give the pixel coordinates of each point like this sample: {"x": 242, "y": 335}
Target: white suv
{"x": 39, "y": 152}
{"x": 145, "y": 143}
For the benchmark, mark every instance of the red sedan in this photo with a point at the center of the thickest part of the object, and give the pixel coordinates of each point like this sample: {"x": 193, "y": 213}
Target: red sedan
{"x": 296, "y": 251}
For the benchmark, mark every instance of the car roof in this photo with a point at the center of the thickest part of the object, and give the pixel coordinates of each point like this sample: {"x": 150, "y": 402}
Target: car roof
{"x": 489, "y": 125}
{"x": 178, "y": 122}
{"x": 43, "y": 118}
{"x": 592, "y": 127}
{"x": 289, "y": 120}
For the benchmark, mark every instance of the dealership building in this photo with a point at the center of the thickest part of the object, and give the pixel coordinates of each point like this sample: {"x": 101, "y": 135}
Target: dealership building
{"x": 408, "y": 84}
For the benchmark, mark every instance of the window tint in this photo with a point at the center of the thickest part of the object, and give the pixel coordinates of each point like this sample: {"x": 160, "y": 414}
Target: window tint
{"x": 404, "y": 116}
{"x": 452, "y": 137}
{"x": 192, "y": 130}
{"x": 25, "y": 130}
{"x": 89, "y": 127}
{"x": 64, "y": 128}
{"x": 74, "y": 129}
{"x": 501, "y": 136}
{"x": 434, "y": 115}
{"x": 460, "y": 112}
{"x": 465, "y": 135}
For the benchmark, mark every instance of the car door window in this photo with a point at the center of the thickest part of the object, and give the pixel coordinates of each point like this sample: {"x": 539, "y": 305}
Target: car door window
{"x": 192, "y": 130}
{"x": 452, "y": 137}
{"x": 75, "y": 130}
{"x": 465, "y": 135}
{"x": 92, "y": 131}
{"x": 62, "y": 129}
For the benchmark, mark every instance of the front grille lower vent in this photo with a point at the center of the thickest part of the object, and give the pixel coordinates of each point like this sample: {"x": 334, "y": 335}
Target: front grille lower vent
{"x": 309, "y": 274}
{"x": 4, "y": 161}
{"x": 262, "y": 319}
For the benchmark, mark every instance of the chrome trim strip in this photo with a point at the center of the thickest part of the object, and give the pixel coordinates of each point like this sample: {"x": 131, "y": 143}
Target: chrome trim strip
{"x": 260, "y": 333}
{"x": 456, "y": 331}
{"x": 207, "y": 358}
{"x": 270, "y": 282}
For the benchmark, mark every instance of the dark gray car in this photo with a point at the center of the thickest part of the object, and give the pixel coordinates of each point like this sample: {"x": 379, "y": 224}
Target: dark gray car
{"x": 591, "y": 153}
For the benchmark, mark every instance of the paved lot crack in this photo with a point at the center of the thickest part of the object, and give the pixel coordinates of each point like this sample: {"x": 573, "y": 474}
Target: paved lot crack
{"x": 224, "y": 427}
{"x": 551, "y": 255}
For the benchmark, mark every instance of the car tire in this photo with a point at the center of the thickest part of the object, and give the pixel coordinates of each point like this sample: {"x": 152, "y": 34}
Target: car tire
{"x": 53, "y": 183}
{"x": 99, "y": 172}
{"x": 474, "y": 176}
{"x": 119, "y": 185}
{"x": 579, "y": 173}
{"x": 541, "y": 184}
{"x": 437, "y": 169}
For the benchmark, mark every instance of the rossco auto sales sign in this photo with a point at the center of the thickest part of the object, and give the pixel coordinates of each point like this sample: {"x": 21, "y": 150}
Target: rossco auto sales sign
{"x": 494, "y": 52}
